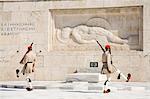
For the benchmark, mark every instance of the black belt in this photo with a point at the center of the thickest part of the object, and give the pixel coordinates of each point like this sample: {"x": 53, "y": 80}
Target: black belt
{"x": 29, "y": 62}
{"x": 104, "y": 62}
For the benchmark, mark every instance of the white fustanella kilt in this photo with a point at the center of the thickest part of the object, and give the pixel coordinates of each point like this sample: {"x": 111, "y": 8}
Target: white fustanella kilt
{"x": 28, "y": 68}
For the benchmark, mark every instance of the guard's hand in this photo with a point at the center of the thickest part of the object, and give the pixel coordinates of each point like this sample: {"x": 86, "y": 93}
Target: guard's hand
{"x": 111, "y": 62}
{"x": 33, "y": 68}
{"x": 109, "y": 71}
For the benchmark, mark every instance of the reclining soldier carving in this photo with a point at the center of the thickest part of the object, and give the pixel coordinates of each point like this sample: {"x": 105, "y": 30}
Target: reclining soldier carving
{"x": 83, "y": 34}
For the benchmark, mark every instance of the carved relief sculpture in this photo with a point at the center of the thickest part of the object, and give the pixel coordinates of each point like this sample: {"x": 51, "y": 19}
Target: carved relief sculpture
{"x": 83, "y": 34}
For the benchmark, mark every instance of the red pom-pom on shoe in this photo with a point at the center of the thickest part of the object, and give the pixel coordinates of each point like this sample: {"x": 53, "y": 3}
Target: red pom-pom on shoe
{"x": 128, "y": 77}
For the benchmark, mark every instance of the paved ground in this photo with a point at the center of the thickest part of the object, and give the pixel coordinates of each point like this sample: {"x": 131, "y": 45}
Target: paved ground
{"x": 76, "y": 90}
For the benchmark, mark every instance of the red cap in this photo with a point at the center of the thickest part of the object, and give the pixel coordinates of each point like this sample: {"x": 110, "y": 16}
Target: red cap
{"x": 107, "y": 46}
{"x": 30, "y": 47}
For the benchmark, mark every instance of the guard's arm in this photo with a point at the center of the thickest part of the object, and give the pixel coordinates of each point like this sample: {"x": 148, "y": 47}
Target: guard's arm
{"x": 21, "y": 62}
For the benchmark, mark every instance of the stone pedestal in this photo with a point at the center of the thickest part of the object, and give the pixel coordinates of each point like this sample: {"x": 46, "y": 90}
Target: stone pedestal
{"x": 85, "y": 77}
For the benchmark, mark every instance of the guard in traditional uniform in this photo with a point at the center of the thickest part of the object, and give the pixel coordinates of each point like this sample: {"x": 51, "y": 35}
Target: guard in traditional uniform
{"x": 108, "y": 68}
{"x": 29, "y": 66}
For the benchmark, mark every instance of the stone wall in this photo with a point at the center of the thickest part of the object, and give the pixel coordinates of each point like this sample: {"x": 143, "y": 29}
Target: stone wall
{"x": 127, "y": 23}
{"x": 24, "y": 22}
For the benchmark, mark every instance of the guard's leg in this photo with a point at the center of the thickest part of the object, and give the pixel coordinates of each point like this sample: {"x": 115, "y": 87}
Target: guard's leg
{"x": 17, "y": 72}
{"x": 129, "y": 77}
{"x": 20, "y": 70}
{"x": 29, "y": 84}
{"x": 121, "y": 74}
{"x": 106, "y": 90}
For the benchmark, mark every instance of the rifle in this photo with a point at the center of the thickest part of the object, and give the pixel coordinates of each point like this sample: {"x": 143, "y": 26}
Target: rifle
{"x": 100, "y": 46}
{"x": 21, "y": 62}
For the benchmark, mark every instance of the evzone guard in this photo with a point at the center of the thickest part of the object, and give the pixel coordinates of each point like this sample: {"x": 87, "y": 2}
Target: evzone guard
{"x": 29, "y": 66}
{"x": 108, "y": 68}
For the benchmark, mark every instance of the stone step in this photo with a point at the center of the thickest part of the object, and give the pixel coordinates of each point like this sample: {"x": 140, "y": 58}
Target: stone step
{"x": 85, "y": 77}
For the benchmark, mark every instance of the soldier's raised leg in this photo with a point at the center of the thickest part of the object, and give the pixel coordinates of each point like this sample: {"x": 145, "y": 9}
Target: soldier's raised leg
{"x": 121, "y": 74}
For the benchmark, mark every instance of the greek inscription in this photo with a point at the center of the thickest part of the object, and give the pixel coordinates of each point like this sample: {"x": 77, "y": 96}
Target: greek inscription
{"x": 16, "y": 28}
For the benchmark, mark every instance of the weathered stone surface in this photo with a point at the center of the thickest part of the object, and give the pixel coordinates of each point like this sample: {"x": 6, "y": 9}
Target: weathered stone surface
{"x": 85, "y": 77}
{"x": 22, "y": 23}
